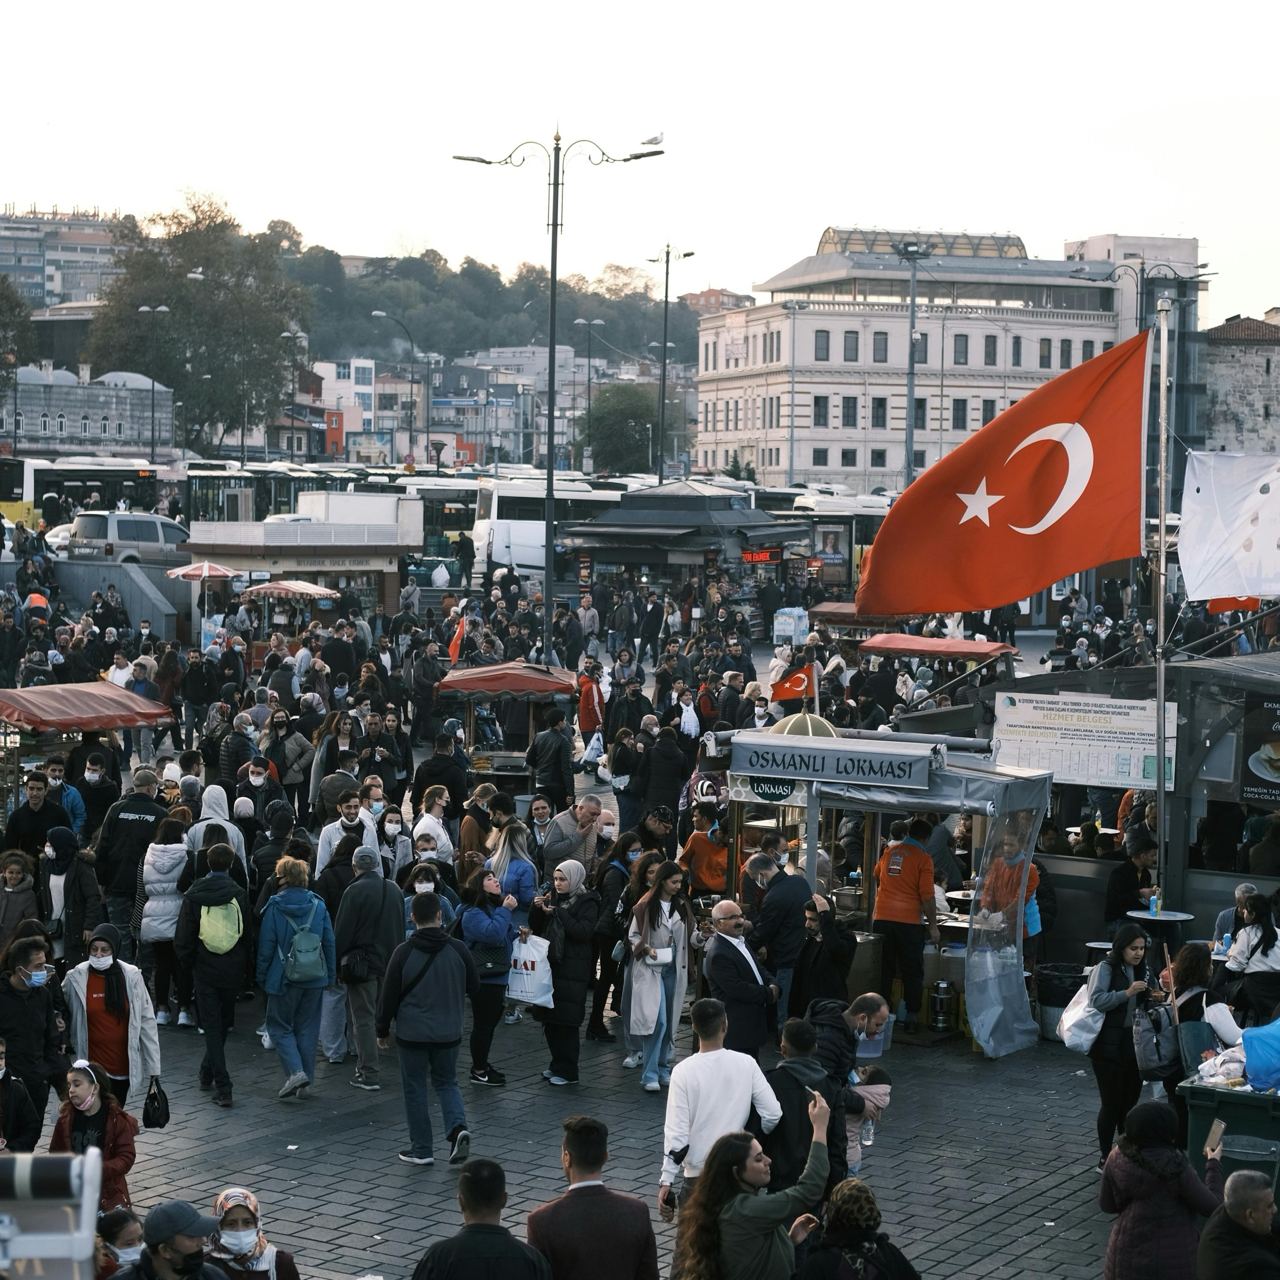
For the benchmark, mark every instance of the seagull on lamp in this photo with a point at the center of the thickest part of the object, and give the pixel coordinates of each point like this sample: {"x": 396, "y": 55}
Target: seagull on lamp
{"x": 655, "y": 141}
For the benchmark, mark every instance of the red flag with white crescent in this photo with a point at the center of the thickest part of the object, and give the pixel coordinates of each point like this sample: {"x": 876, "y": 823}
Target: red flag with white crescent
{"x": 796, "y": 683}
{"x": 1050, "y": 487}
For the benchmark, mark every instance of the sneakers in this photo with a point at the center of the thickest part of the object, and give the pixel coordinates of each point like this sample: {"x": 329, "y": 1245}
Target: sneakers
{"x": 511, "y": 1017}
{"x": 460, "y": 1145}
{"x": 632, "y": 1061}
{"x": 162, "y": 1017}
{"x": 206, "y": 1083}
{"x": 186, "y": 1018}
{"x": 358, "y": 1081}
{"x": 558, "y": 1081}
{"x": 409, "y": 1158}
{"x": 487, "y": 1076}
{"x": 599, "y": 1033}
{"x": 291, "y": 1086}
{"x": 547, "y": 1074}
{"x": 652, "y": 1086}
{"x": 223, "y": 1099}
{"x": 1102, "y": 1163}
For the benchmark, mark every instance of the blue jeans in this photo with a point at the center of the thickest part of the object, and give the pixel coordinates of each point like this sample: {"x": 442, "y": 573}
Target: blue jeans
{"x": 657, "y": 1045}
{"x": 442, "y": 1065}
{"x": 784, "y": 978}
{"x": 119, "y": 913}
{"x": 293, "y": 1022}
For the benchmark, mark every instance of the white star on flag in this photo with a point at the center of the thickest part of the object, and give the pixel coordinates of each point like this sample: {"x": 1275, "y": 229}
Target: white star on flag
{"x": 978, "y": 504}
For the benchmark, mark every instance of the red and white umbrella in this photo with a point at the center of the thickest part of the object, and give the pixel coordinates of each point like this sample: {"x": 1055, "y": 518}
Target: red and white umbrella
{"x": 292, "y": 588}
{"x": 201, "y": 571}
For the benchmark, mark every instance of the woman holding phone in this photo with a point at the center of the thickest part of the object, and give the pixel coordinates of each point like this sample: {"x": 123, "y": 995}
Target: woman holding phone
{"x": 1151, "y": 1187}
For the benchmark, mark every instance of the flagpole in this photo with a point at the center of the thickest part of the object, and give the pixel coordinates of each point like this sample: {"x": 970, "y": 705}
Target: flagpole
{"x": 1163, "y": 307}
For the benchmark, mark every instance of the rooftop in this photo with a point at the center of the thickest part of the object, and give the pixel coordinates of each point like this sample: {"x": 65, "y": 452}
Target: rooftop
{"x": 1245, "y": 329}
{"x": 954, "y": 244}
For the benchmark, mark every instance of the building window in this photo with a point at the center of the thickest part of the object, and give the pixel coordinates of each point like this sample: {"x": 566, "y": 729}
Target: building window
{"x": 880, "y": 348}
{"x": 1266, "y": 412}
{"x": 1064, "y": 353}
{"x": 819, "y": 457}
{"x": 1268, "y": 361}
{"x": 922, "y": 348}
{"x": 44, "y": 424}
{"x": 960, "y": 414}
{"x": 988, "y": 411}
{"x": 960, "y": 349}
{"x": 1015, "y": 353}
{"x": 17, "y": 422}
{"x": 1046, "y": 353}
{"x": 103, "y": 427}
{"x": 84, "y": 425}
{"x": 821, "y": 411}
{"x": 879, "y": 413}
{"x": 364, "y": 375}
{"x": 119, "y": 429}
{"x": 4, "y": 423}
{"x": 706, "y": 416}
{"x": 715, "y": 356}
{"x": 342, "y": 371}
{"x": 849, "y": 411}
{"x": 922, "y": 413}
{"x": 851, "y": 346}
{"x": 822, "y": 344}
{"x": 364, "y": 398}
{"x": 1106, "y": 346}
{"x": 989, "y": 349}
{"x": 1086, "y": 350}
{"x": 917, "y": 459}
{"x": 878, "y": 458}
{"x": 848, "y": 457}
{"x": 737, "y": 407}
{"x": 62, "y": 424}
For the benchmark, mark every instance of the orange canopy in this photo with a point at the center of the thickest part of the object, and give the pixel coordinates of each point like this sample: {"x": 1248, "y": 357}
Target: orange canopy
{"x": 71, "y": 707}
{"x": 932, "y": 647}
{"x": 523, "y": 680}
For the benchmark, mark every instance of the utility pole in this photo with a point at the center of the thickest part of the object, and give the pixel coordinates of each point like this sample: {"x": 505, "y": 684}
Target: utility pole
{"x": 911, "y": 251}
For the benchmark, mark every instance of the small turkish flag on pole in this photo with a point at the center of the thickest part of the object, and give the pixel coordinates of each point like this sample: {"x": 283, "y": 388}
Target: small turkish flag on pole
{"x": 455, "y": 645}
{"x": 1051, "y": 486}
{"x": 797, "y": 683}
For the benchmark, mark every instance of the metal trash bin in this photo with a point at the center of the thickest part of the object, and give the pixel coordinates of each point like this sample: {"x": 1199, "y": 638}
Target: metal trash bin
{"x": 1055, "y": 985}
{"x": 1252, "y": 1137}
{"x": 864, "y": 972}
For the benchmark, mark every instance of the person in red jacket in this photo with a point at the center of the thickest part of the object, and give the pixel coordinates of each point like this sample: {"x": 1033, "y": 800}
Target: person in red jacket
{"x": 91, "y": 1117}
{"x": 590, "y": 702}
{"x": 904, "y": 892}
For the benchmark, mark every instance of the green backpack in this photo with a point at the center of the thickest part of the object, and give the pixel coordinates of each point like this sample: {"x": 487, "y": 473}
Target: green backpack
{"x": 221, "y": 927}
{"x": 305, "y": 961}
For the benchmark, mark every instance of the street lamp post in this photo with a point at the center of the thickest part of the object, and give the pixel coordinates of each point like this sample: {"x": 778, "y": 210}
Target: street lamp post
{"x": 911, "y": 251}
{"x": 598, "y": 156}
{"x": 662, "y": 390}
{"x": 154, "y": 313}
{"x": 791, "y": 308}
{"x": 413, "y": 370}
{"x": 588, "y": 325}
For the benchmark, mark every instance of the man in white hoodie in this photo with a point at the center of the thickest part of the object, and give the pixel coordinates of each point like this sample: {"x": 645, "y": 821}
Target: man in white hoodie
{"x": 353, "y": 820}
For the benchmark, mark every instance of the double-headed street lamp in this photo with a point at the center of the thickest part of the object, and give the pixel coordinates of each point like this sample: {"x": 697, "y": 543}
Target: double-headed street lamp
{"x": 155, "y": 313}
{"x": 662, "y": 390}
{"x": 911, "y": 251}
{"x": 555, "y": 157}
{"x": 413, "y": 373}
{"x": 589, "y": 325}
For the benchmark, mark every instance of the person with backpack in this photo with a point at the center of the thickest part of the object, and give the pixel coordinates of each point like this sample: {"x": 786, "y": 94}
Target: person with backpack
{"x": 296, "y": 962}
{"x": 211, "y": 943}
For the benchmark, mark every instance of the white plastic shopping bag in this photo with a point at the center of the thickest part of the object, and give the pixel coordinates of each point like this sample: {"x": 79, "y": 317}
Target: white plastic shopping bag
{"x": 530, "y": 981}
{"x": 1080, "y": 1022}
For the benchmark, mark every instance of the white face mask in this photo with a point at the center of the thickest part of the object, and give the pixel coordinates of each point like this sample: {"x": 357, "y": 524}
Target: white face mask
{"x": 423, "y": 886}
{"x": 257, "y": 779}
{"x": 238, "y": 1242}
{"x": 48, "y": 851}
{"x": 607, "y": 832}
{"x": 92, "y": 777}
{"x": 101, "y": 962}
{"x": 392, "y": 828}
{"x": 127, "y": 1255}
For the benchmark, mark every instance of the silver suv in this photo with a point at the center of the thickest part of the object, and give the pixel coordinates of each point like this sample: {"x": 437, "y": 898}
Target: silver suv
{"x": 127, "y": 537}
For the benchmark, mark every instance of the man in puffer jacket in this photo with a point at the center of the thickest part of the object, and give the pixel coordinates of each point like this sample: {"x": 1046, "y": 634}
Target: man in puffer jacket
{"x": 165, "y": 873}
{"x": 127, "y": 832}
{"x": 216, "y": 968}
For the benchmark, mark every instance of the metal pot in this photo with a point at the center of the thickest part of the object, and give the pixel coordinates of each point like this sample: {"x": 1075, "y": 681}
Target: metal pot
{"x": 847, "y": 900}
{"x": 942, "y": 1006}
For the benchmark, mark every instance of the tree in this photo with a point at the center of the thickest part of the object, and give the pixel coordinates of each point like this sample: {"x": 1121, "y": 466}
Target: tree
{"x": 733, "y": 468}
{"x": 219, "y": 345}
{"x": 17, "y": 336}
{"x": 749, "y": 472}
{"x": 622, "y": 415}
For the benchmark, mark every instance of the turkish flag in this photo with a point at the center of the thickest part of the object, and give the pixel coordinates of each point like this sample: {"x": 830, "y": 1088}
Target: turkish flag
{"x": 1051, "y": 486}
{"x": 797, "y": 683}
{"x": 1234, "y": 604}
{"x": 455, "y": 645}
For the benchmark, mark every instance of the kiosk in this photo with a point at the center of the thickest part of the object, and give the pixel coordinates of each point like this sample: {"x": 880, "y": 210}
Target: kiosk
{"x": 876, "y": 773}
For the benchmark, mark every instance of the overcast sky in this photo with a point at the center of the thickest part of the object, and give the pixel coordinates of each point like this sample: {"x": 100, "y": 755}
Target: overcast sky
{"x": 779, "y": 119}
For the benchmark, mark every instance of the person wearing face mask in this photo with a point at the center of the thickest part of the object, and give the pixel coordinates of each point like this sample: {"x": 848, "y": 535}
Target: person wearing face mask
{"x": 368, "y": 926}
{"x": 240, "y": 1247}
{"x": 175, "y": 1235}
{"x": 612, "y": 876}
{"x": 112, "y": 1020}
{"x": 28, "y": 1023}
{"x": 292, "y": 755}
{"x": 394, "y": 844}
{"x": 473, "y": 835}
{"x": 91, "y": 1117}
{"x": 237, "y": 749}
{"x": 539, "y": 824}
{"x": 69, "y": 896}
{"x": 119, "y": 1242}
{"x": 489, "y": 928}
{"x": 427, "y": 876}
{"x": 431, "y": 823}
{"x": 99, "y": 792}
{"x": 260, "y": 789}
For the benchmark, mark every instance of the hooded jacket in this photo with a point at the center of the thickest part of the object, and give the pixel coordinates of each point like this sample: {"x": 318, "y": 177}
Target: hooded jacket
{"x": 16, "y": 905}
{"x": 213, "y": 808}
{"x": 226, "y": 971}
{"x": 275, "y": 937}
{"x": 98, "y": 798}
{"x": 237, "y": 749}
{"x": 162, "y": 869}
{"x": 126, "y": 833}
{"x": 336, "y": 879}
{"x": 82, "y": 909}
{"x": 143, "y": 1045}
{"x": 370, "y": 918}
{"x": 787, "y": 1144}
{"x": 430, "y": 1012}
{"x": 441, "y": 771}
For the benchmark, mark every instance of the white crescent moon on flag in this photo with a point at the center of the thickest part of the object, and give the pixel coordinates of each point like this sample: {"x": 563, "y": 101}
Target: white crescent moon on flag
{"x": 1075, "y": 442}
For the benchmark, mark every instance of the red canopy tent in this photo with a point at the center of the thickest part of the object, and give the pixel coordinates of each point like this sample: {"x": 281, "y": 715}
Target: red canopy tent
{"x": 933, "y": 647}
{"x": 522, "y": 680}
{"x": 68, "y": 708}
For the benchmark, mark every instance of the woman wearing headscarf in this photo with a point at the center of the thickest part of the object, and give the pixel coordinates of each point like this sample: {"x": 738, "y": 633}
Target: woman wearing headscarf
{"x": 241, "y": 1248}
{"x": 687, "y": 726}
{"x": 217, "y": 724}
{"x": 567, "y": 918}
{"x": 69, "y": 896}
{"x": 852, "y": 1243}
{"x": 283, "y": 746}
{"x": 112, "y": 1019}
{"x": 1149, "y": 1183}
{"x": 213, "y": 808}
{"x": 93, "y": 1117}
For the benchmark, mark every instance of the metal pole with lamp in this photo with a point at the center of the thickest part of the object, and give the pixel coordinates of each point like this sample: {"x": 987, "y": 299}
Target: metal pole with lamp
{"x": 588, "y": 324}
{"x": 1163, "y": 307}
{"x": 555, "y": 156}
{"x": 153, "y": 312}
{"x": 791, "y": 308}
{"x": 662, "y": 381}
{"x": 911, "y": 251}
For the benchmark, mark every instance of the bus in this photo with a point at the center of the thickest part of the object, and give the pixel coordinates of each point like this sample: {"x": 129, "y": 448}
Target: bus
{"x": 843, "y": 527}
{"x": 510, "y": 526}
{"x": 24, "y": 482}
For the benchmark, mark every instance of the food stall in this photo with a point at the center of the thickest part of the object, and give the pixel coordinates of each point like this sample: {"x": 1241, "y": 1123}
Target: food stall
{"x": 804, "y": 778}
{"x": 520, "y": 681}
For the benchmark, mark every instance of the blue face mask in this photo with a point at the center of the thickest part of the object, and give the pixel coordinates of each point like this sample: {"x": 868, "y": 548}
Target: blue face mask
{"x": 38, "y": 978}
{"x": 377, "y": 806}
{"x": 634, "y": 854}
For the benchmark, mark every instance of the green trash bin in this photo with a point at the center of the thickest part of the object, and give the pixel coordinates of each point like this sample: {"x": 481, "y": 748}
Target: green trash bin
{"x": 1252, "y": 1138}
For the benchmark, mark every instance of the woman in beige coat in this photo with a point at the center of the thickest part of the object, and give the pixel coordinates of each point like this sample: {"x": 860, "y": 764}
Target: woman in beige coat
{"x": 660, "y": 935}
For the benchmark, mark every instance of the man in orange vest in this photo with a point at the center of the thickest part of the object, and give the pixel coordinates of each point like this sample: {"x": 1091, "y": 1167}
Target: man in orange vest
{"x": 904, "y": 890}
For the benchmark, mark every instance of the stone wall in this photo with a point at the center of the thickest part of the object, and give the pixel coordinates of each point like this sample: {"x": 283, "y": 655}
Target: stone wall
{"x": 1242, "y": 407}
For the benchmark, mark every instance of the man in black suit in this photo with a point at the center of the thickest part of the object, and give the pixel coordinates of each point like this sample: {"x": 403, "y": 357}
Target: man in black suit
{"x": 590, "y": 1230}
{"x": 484, "y": 1247}
{"x": 737, "y": 979}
